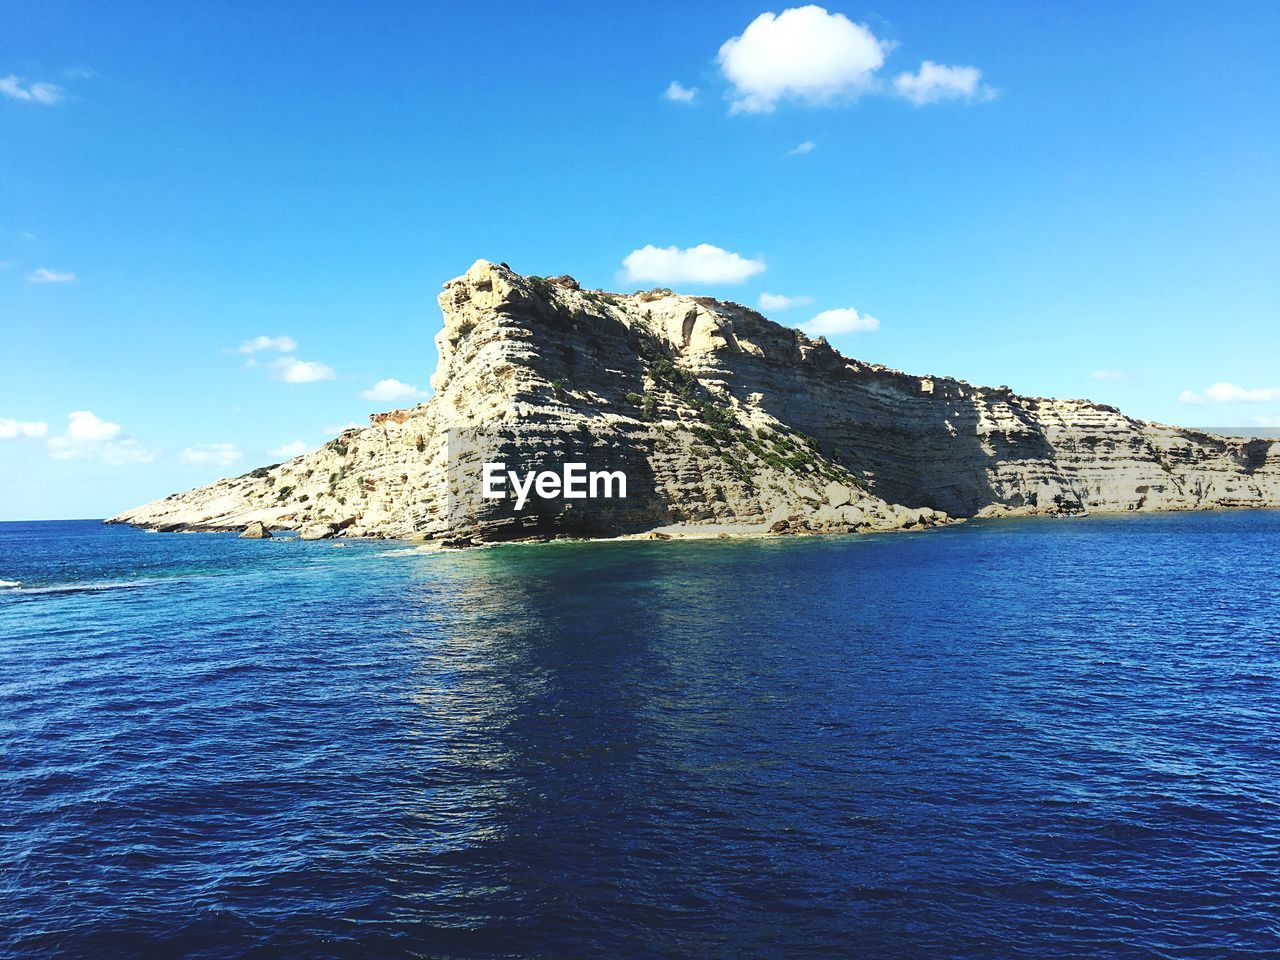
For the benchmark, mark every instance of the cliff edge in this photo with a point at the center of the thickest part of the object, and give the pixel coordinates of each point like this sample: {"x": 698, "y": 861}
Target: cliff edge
{"x": 716, "y": 415}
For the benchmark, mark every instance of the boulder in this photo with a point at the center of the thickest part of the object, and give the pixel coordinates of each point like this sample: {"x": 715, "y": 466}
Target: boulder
{"x": 316, "y": 531}
{"x": 806, "y": 493}
{"x": 256, "y": 530}
{"x": 838, "y": 494}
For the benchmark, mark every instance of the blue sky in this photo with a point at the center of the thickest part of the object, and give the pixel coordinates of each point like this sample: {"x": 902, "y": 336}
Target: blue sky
{"x": 1091, "y": 210}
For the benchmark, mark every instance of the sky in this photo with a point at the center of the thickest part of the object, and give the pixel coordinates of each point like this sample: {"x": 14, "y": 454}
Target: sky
{"x": 223, "y": 226}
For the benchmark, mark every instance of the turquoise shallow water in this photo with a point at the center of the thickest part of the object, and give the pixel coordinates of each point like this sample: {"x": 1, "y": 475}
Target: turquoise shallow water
{"x": 1012, "y": 739}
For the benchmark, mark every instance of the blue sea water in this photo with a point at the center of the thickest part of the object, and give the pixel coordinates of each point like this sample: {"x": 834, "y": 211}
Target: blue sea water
{"x": 1004, "y": 739}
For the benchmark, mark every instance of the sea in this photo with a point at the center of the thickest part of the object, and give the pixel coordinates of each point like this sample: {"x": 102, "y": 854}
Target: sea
{"x": 1021, "y": 738}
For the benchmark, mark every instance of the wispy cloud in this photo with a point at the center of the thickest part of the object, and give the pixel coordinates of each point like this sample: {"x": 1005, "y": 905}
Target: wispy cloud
{"x": 390, "y": 390}
{"x": 778, "y": 301}
{"x": 258, "y": 344}
{"x": 677, "y": 92}
{"x": 1108, "y": 375}
{"x": 1221, "y": 393}
{"x": 294, "y": 448}
{"x": 293, "y": 370}
{"x": 10, "y": 428}
{"x": 46, "y": 94}
{"x": 88, "y": 437}
{"x": 703, "y": 263}
{"x": 216, "y": 454}
{"x": 838, "y": 321}
{"x": 935, "y": 82}
{"x": 45, "y": 275}
{"x": 800, "y": 149}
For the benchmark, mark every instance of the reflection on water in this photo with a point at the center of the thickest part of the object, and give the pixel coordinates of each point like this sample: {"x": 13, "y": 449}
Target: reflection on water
{"x": 1006, "y": 739}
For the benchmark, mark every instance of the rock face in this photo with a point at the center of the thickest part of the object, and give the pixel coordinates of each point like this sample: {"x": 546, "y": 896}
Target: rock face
{"x": 716, "y": 416}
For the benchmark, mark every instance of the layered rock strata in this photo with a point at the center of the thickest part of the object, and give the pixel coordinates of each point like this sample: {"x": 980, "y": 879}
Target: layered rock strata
{"x": 716, "y": 415}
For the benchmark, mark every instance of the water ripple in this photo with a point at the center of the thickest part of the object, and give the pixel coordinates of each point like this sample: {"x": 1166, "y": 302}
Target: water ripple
{"x": 1013, "y": 739}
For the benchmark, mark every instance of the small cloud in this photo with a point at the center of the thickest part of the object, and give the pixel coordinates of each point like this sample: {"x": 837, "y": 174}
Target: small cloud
{"x": 804, "y": 54}
{"x": 677, "y": 92}
{"x": 1230, "y": 393}
{"x": 776, "y": 301}
{"x": 390, "y": 390}
{"x": 217, "y": 454}
{"x": 10, "y": 428}
{"x": 293, "y": 370}
{"x": 935, "y": 82}
{"x": 258, "y": 344}
{"x": 90, "y": 438}
{"x": 801, "y": 149}
{"x": 46, "y": 94}
{"x": 45, "y": 275}
{"x": 80, "y": 73}
{"x": 1108, "y": 375}
{"x": 842, "y": 320}
{"x": 701, "y": 264}
{"x": 332, "y": 429}
{"x": 84, "y": 425}
{"x": 1266, "y": 421}
{"x": 288, "y": 451}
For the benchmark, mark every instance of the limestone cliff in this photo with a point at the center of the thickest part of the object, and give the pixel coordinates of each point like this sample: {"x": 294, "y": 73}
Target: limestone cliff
{"x": 717, "y": 416}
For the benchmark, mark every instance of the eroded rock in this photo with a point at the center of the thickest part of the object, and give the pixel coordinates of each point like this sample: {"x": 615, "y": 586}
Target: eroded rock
{"x": 718, "y": 416}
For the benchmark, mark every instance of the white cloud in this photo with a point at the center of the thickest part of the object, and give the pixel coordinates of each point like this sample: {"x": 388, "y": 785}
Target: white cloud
{"x": 293, "y": 370}
{"x": 391, "y": 389}
{"x": 288, "y": 451}
{"x": 777, "y": 301}
{"x": 842, "y": 320}
{"x": 218, "y": 454}
{"x": 38, "y": 92}
{"x": 935, "y": 82}
{"x": 90, "y": 438}
{"x": 258, "y": 344}
{"x": 336, "y": 428}
{"x": 1231, "y": 393}
{"x": 801, "y": 149}
{"x": 1108, "y": 375}
{"x": 804, "y": 54}
{"x": 82, "y": 425}
{"x": 10, "y": 428}
{"x": 1266, "y": 421}
{"x": 701, "y": 264}
{"x": 677, "y": 92}
{"x": 45, "y": 275}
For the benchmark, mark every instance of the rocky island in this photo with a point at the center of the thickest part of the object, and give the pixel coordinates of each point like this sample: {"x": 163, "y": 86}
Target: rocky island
{"x": 721, "y": 420}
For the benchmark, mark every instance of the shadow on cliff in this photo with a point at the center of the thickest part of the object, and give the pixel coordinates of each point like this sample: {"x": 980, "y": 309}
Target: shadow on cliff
{"x": 918, "y": 448}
